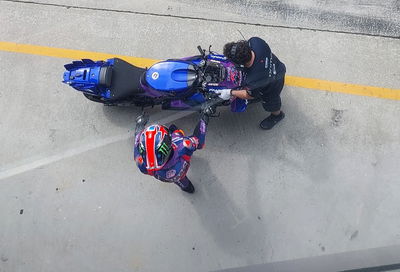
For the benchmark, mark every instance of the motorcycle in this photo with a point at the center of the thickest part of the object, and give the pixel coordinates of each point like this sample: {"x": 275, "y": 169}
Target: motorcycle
{"x": 176, "y": 84}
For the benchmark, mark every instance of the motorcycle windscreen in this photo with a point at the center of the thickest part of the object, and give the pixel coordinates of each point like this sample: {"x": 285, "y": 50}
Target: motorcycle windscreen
{"x": 171, "y": 76}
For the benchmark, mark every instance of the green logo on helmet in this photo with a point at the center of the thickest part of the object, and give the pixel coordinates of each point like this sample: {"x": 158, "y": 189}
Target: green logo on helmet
{"x": 164, "y": 149}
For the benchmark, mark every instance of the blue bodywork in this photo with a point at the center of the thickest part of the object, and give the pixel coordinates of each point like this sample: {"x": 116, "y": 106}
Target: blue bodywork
{"x": 174, "y": 75}
{"x": 162, "y": 80}
{"x": 84, "y": 76}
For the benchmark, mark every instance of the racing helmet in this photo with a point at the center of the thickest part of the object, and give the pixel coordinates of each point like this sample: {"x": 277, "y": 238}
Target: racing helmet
{"x": 155, "y": 146}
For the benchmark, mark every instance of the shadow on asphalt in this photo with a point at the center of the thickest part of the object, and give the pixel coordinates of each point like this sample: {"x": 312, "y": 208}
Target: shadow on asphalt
{"x": 233, "y": 230}
{"x": 296, "y": 145}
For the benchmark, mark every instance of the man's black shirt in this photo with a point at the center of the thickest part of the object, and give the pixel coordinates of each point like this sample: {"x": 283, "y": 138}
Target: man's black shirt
{"x": 266, "y": 68}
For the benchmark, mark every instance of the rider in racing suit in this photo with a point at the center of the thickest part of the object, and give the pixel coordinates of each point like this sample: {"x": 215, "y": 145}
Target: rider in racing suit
{"x": 177, "y": 162}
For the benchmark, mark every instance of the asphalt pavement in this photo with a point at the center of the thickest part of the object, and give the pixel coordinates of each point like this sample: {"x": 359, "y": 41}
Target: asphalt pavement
{"x": 324, "y": 181}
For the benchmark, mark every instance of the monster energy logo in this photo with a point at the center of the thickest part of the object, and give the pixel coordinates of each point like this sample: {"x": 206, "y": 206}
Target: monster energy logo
{"x": 164, "y": 149}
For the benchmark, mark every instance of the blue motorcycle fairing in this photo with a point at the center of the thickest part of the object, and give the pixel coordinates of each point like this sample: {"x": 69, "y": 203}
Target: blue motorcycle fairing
{"x": 239, "y": 105}
{"x": 82, "y": 78}
{"x": 85, "y": 76}
{"x": 195, "y": 100}
{"x": 171, "y": 76}
{"x": 112, "y": 79}
{"x": 198, "y": 98}
{"x": 170, "y": 83}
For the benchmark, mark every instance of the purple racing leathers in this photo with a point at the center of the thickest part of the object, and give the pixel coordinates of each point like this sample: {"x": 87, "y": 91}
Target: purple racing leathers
{"x": 182, "y": 149}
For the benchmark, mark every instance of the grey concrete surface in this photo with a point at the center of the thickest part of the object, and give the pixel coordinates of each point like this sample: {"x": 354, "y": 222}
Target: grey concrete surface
{"x": 376, "y": 259}
{"x": 324, "y": 181}
{"x": 372, "y": 17}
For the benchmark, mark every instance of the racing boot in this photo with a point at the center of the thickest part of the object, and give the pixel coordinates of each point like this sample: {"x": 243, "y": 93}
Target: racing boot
{"x": 186, "y": 185}
{"x": 188, "y": 189}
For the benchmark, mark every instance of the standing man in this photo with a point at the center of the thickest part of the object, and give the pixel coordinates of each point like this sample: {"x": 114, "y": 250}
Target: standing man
{"x": 264, "y": 79}
{"x": 165, "y": 153}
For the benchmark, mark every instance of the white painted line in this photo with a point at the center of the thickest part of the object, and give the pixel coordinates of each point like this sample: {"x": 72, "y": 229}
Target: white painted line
{"x": 13, "y": 170}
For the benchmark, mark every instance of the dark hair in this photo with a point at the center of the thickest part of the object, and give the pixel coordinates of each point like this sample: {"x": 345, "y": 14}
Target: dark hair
{"x": 238, "y": 52}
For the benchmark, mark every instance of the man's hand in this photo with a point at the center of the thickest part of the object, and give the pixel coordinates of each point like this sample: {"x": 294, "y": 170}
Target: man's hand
{"x": 242, "y": 94}
{"x": 224, "y": 94}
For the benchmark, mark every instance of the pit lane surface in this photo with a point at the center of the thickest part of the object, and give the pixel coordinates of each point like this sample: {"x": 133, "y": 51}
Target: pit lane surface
{"x": 324, "y": 181}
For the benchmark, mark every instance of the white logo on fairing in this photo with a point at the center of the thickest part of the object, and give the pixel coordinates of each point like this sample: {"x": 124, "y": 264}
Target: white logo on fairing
{"x": 218, "y": 57}
{"x": 154, "y": 75}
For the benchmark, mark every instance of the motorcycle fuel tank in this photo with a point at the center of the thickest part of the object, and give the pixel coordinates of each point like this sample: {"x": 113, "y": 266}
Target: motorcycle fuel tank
{"x": 171, "y": 76}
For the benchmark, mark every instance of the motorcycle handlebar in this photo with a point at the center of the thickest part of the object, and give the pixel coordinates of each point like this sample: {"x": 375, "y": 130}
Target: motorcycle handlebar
{"x": 201, "y": 50}
{"x": 210, "y": 106}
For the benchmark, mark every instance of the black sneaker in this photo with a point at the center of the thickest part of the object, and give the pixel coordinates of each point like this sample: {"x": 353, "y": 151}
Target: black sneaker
{"x": 189, "y": 189}
{"x": 271, "y": 121}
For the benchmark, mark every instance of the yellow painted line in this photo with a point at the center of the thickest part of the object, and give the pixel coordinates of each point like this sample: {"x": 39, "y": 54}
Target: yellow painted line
{"x": 70, "y": 53}
{"x": 302, "y": 82}
{"x": 339, "y": 87}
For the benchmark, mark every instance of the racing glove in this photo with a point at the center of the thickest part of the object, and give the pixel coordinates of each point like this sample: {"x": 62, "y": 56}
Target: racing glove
{"x": 224, "y": 94}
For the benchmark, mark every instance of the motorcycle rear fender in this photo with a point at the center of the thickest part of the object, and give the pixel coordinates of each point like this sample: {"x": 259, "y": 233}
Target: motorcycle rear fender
{"x": 86, "y": 75}
{"x": 113, "y": 79}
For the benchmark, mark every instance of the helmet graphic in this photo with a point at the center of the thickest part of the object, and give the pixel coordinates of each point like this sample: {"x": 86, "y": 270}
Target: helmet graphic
{"x": 155, "y": 146}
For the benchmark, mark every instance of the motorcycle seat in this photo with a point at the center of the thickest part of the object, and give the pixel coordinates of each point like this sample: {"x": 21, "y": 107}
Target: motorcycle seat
{"x": 125, "y": 80}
